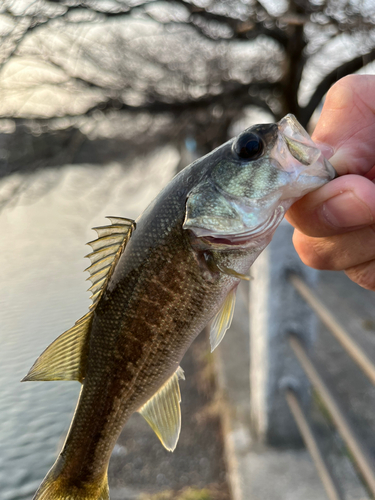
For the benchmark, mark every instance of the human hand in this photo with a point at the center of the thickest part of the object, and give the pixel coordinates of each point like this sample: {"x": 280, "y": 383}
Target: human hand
{"x": 335, "y": 225}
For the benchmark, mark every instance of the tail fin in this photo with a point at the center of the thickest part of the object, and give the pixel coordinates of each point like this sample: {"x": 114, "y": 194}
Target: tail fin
{"x": 58, "y": 487}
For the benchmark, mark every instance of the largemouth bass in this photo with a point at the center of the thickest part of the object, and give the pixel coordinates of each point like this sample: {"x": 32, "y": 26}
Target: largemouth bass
{"x": 157, "y": 282}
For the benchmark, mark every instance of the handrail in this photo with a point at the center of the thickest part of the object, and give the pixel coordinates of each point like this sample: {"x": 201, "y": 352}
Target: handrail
{"x": 364, "y": 462}
{"x": 311, "y": 444}
{"x": 352, "y": 348}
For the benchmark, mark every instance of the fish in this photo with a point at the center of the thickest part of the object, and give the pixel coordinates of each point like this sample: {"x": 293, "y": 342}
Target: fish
{"x": 157, "y": 282}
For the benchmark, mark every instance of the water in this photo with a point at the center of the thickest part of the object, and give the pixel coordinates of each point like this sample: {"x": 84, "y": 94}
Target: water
{"x": 43, "y": 292}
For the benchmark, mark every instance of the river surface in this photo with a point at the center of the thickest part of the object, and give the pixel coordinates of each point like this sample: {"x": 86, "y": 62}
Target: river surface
{"x": 43, "y": 292}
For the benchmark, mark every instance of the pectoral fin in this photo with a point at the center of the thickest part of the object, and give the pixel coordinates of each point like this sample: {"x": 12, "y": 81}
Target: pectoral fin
{"x": 65, "y": 358}
{"x": 222, "y": 320}
{"x": 233, "y": 272}
{"x": 163, "y": 413}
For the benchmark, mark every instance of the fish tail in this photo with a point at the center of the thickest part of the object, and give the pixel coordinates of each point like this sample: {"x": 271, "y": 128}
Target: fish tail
{"x": 57, "y": 486}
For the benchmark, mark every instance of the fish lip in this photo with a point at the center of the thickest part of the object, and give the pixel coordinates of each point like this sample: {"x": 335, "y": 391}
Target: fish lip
{"x": 303, "y": 149}
{"x": 298, "y": 141}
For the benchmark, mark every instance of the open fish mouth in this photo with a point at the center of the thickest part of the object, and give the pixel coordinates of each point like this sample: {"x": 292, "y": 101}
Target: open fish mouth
{"x": 297, "y": 140}
{"x": 302, "y": 148}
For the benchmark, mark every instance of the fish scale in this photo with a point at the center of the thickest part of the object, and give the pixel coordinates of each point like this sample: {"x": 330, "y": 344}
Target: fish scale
{"x": 157, "y": 282}
{"x": 137, "y": 342}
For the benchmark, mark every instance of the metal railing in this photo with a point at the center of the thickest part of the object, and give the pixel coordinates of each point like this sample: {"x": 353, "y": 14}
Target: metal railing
{"x": 351, "y": 347}
{"x": 311, "y": 443}
{"x": 361, "y": 456}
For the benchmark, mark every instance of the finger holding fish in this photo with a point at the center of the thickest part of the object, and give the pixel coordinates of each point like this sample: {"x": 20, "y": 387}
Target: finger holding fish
{"x": 347, "y": 124}
{"x": 352, "y": 252}
{"x": 338, "y": 252}
{"x": 334, "y": 225}
{"x": 344, "y": 205}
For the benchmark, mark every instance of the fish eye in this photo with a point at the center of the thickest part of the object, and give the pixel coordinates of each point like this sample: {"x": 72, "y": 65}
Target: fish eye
{"x": 249, "y": 146}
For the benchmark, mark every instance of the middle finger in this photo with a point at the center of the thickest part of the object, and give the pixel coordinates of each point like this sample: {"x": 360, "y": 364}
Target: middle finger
{"x": 336, "y": 252}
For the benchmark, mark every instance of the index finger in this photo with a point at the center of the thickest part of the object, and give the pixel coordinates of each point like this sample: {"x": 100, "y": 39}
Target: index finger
{"x": 347, "y": 124}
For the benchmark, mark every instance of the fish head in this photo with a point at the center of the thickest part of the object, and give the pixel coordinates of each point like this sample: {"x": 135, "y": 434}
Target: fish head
{"x": 252, "y": 180}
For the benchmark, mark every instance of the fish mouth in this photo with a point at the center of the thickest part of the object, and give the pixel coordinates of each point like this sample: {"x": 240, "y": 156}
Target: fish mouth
{"x": 297, "y": 140}
{"x": 302, "y": 148}
{"x": 246, "y": 238}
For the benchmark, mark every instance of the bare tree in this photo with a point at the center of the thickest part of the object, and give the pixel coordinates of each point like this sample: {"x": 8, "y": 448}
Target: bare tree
{"x": 174, "y": 69}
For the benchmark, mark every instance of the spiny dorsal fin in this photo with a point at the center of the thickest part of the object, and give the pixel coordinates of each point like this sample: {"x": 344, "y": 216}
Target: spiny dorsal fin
{"x": 107, "y": 248}
{"x": 163, "y": 412}
{"x": 222, "y": 320}
{"x": 65, "y": 358}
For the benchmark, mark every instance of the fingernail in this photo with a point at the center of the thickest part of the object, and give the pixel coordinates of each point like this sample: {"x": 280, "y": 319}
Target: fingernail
{"x": 346, "y": 210}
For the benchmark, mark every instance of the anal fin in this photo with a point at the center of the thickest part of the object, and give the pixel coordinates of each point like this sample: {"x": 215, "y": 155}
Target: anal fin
{"x": 163, "y": 412}
{"x": 222, "y": 320}
{"x": 65, "y": 358}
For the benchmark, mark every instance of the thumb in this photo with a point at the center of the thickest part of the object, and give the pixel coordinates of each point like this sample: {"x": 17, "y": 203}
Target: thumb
{"x": 347, "y": 124}
{"x": 344, "y": 204}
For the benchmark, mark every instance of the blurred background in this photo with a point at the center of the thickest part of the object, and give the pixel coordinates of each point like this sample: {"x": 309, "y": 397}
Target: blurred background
{"x": 101, "y": 103}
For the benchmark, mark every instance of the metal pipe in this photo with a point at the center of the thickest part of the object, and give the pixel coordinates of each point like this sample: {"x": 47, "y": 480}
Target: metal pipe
{"x": 312, "y": 445}
{"x": 364, "y": 462}
{"x": 351, "y": 347}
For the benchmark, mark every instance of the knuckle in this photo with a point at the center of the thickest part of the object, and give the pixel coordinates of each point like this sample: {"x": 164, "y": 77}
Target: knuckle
{"x": 363, "y": 275}
{"x": 315, "y": 252}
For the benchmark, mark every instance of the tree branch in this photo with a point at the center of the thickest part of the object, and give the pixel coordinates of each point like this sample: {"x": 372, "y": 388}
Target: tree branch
{"x": 234, "y": 97}
{"x": 345, "y": 69}
{"x": 295, "y": 59}
{"x": 248, "y": 30}
{"x": 39, "y": 20}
